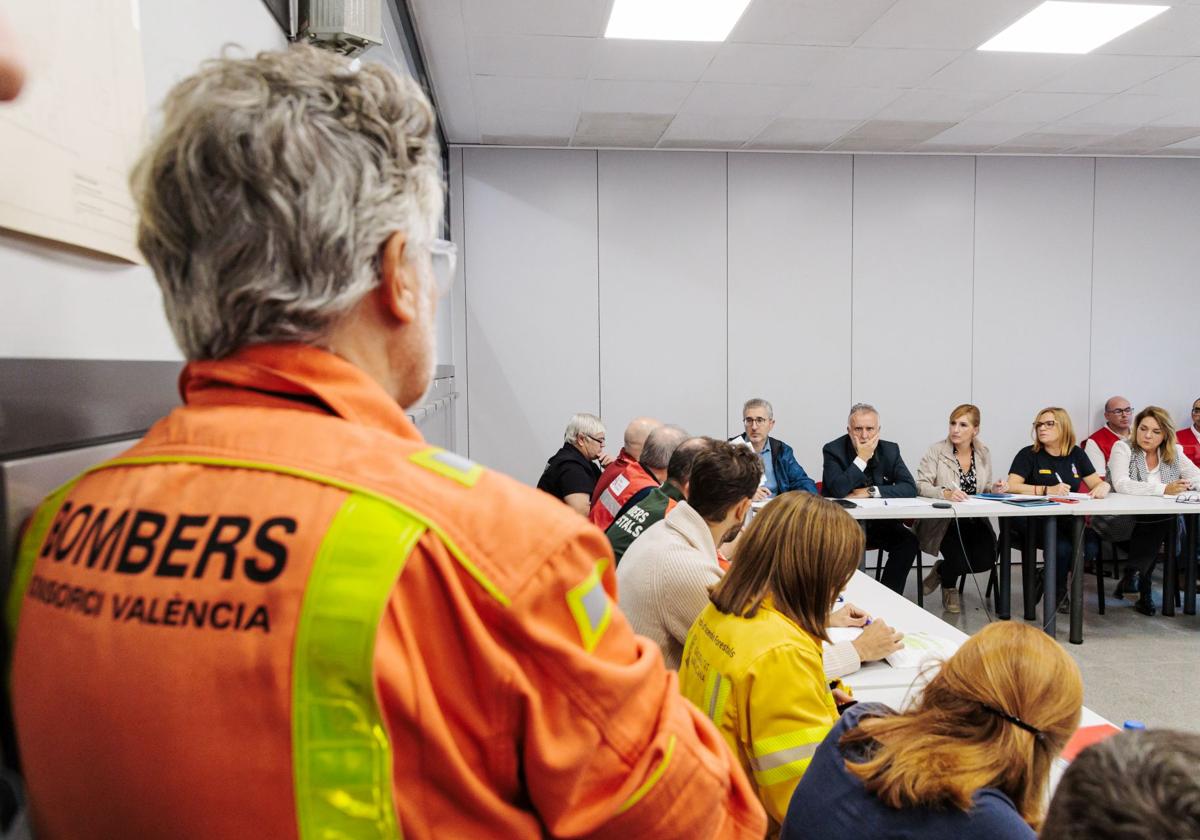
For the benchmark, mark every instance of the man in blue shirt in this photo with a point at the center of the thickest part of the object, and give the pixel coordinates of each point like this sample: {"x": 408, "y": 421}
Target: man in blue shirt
{"x": 781, "y": 470}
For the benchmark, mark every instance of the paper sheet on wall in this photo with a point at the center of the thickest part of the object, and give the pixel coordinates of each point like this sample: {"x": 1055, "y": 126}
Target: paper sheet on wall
{"x": 68, "y": 142}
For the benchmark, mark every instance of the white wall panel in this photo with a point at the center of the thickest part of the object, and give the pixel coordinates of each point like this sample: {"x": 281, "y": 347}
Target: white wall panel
{"x": 456, "y": 302}
{"x": 789, "y": 294}
{"x": 1033, "y": 260}
{"x": 911, "y": 325}
{"x": 531, "y": 302}
{"x": 662, "y": 289}
{"x": 1146, "y": 293}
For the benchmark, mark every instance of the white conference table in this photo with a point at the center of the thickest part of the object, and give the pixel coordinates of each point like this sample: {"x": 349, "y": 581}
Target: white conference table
{"x": 879, "y": 682}
{"x": 1114, "y": 504}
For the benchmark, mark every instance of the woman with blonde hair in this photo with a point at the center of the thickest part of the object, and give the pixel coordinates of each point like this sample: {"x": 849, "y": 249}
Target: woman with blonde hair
{"x": 752, "y": 660}
{"x": 1150, "y": 463}
{"x": 970, "y": 759}
{"x": 953, "y": 470}
{"x": 1054, "y": 465}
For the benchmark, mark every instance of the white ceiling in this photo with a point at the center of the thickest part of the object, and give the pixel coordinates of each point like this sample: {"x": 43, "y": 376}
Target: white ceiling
{"x": 836, "y": 75}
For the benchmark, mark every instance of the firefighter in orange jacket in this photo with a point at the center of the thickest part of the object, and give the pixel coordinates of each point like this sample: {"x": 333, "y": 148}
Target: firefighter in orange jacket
{"x": 282, "y": 614}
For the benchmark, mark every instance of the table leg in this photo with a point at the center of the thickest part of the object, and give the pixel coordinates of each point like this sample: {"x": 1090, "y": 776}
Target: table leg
{"x": 1076, "y": 636}
{"x": 1029, "y": 570}
{"x": 1004, "y": 584}
{"x": 1189, "y": 546}
{"x": 1170, "y": 581}
{"x": 1049, "y": 593}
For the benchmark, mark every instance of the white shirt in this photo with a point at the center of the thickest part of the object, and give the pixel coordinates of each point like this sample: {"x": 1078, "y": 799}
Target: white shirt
{"x": 1118, "y": 464}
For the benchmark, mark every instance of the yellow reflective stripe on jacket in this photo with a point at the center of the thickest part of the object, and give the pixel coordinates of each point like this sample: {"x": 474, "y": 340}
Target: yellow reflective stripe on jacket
{"x": 716, "y": 692}
{"x": 341, "y": 753}
{"x": 591, "y": 607}
{"x": 786, "y": 756}
{"x": 266, "y": 466}
{"x": 448, "y": 464}
{"x": 22, "y": 571}
{"x": 651, "y": 780}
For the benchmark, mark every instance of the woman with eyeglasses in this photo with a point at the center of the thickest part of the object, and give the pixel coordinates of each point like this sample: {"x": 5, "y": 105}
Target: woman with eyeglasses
{"x": 1150, "y": 464}
{"x": 1054, "y": 465}
{"x": 971, "y": 759}
{"x": 572, "y": 472}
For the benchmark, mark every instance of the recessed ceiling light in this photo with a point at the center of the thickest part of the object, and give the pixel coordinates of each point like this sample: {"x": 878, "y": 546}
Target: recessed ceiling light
{"x": 1060, "y": 27}
{"x": 674, "y": 20}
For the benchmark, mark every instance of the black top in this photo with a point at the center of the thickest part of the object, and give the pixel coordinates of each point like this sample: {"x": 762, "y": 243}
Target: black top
{"x": 569, "y": 472}
{"x": 886, "y": 470}
{"x": 830, "y": 801}
{"x": 1040, "y": 468}
{"x": 968, "y": 481}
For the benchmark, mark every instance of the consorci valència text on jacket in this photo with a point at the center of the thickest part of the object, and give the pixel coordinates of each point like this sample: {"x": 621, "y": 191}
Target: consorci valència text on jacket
{"x": 185, "y": 548}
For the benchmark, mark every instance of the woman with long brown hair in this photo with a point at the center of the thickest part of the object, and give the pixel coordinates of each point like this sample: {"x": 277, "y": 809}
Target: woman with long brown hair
{"x": 1150, "y": 463}
{"x": 971, "y": 759}
{"x": 752, "y": 660}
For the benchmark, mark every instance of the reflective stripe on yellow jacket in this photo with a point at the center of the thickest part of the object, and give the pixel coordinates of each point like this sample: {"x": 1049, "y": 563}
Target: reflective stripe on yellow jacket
{"x": 761, "y": 681}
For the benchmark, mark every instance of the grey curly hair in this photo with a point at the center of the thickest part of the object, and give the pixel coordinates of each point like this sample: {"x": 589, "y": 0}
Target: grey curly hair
{"x": 269, "y": 191}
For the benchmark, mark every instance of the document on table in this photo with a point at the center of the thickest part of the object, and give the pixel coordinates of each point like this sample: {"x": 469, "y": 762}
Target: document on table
{"x": 892, "y": 503}
{"x": 919, "y": 647}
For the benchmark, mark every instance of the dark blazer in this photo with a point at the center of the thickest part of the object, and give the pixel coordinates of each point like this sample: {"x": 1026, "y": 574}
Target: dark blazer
{"x": 789, "y": 475}
{"x": 885, "y": 470}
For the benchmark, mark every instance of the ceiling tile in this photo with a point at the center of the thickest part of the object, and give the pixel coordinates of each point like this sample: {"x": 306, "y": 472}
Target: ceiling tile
{"x": 1182, "y": 81}
{"x": 944, "y": 24}
{"x": 828, "y": 23}
{"x": 1035, "y": 107}
{"x": 1128, "y": 109}
{"x": 939, "y": 105}
{"x": 799, "y": 133}
{"x": 861, "y": 67}
{"x": 976, "y": 132}
{"x": 616, "y": 95}
{"x": 913, "y": 130}
{"x": 534, "y": 94}
{"x": 736, "y": 100}
{"x": 700, "y": 130}
{"x": 1073, "y": 126}
{"x": 626, "y": 130}
{"x": 1040, "y": 141}
{"x": 999, "y": 71}
{"x": 446, "y": 52}
{"x": 531, "y": 55}
{"x": 1109, "y": 73}
{"x": 1192, "y": 145}
{"x": 585, "y": 18}
{"x": 1148, "y": 138}
{"x": 522, "y": 140}
{"x": 768, "y": 64}
{"x": 831, "y": 103}
{"x": 1175, "y": 32}
{"x": 527, "y": 121}
{"x": 871, "y": 144}
{"x": 1186, "y": 115}
{"x": 951, "y": 148}
{"x": 667, "y": 61}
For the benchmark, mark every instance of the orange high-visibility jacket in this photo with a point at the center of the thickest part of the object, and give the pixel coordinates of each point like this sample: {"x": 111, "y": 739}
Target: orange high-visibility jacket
{"x": 282, "y": 614}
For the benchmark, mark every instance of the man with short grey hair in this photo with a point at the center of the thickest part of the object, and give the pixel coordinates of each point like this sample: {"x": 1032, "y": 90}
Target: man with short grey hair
{"x": 859, "y": 465}
{"x": 571, "y": 472}
{"x": 301, "y": 620}
{"x": 781, "y": 471}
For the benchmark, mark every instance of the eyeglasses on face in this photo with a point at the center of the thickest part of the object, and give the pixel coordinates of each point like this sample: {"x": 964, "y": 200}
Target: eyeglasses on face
{"x": 755, "y": 421}
{"x": 598, "y": 440}
{"x": 1124, "y": 411}
{"x": 1045, "y": 424}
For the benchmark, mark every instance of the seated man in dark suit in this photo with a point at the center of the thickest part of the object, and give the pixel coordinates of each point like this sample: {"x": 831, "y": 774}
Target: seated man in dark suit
{"x": 860, "y": 465}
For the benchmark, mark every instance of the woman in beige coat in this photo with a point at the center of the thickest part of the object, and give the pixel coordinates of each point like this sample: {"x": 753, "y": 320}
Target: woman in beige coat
{"x": 952, "y": 470}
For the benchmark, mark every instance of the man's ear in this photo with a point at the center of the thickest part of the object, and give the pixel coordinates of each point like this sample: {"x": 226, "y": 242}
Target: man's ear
{"x": 743, "y": 507}
{"x": 398, "y": 281}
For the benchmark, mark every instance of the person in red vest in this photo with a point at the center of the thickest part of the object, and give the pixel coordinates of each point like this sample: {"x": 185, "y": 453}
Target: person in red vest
{"x": 1189, "y": 438}
{"x": 1118, "y": 416}
{"x": 638, "y": 477}
{"x": 636, "y": 432}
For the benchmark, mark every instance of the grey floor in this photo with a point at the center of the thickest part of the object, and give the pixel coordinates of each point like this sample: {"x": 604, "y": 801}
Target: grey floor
{"x": 1133, "y": 666}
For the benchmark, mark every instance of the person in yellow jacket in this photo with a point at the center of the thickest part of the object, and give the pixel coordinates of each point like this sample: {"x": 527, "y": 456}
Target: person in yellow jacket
{"x": 752, "y": 660}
